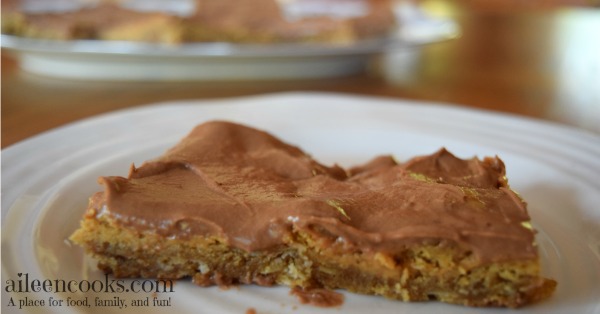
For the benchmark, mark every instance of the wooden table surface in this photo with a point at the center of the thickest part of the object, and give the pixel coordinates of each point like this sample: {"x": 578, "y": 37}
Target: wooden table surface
{"x": 542, "y": 63}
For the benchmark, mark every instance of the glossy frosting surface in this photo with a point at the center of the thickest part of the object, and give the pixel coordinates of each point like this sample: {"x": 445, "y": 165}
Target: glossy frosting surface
{"x": 251, "y": 189}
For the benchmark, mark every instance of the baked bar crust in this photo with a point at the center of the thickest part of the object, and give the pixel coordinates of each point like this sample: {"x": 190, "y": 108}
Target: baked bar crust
{"x": 240, "y": 21}
{"x": 106, "y": 21}
{"x": 231, "y": 204}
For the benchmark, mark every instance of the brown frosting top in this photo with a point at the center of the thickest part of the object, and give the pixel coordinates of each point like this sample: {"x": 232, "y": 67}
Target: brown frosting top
{"x": 251, "y": 189}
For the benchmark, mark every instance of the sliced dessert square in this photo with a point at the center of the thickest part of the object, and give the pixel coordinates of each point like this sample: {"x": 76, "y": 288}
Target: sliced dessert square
{"x": 230, "y": 204}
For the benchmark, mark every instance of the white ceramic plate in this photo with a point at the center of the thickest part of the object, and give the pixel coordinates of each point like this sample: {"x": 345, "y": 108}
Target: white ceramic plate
{"x": 116, "y": 60}
{"x": 46, "y": 181}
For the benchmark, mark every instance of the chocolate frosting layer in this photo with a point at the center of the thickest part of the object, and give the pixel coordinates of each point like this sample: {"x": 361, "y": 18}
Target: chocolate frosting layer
{"x": 252, "y": 189}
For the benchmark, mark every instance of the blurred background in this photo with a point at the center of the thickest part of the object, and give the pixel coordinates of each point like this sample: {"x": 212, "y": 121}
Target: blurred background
{"x": 533, "y": 58}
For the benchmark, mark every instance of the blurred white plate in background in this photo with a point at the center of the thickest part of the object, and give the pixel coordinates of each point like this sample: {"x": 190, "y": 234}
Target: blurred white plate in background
{"x": 112, "y": 60}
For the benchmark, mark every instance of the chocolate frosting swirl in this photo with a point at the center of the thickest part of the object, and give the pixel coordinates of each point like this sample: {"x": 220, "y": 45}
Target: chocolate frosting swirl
{"x": 251, "y": 189}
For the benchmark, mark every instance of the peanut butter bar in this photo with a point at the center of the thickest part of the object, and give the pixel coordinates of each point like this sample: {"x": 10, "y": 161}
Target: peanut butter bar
{"x": 230, "y": 204}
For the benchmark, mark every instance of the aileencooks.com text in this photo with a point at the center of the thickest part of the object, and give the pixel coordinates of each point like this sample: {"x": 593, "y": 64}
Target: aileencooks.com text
{"x": 24, "y": 284}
